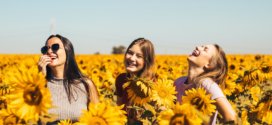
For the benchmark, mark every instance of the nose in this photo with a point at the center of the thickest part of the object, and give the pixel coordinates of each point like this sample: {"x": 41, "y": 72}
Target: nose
{"x": 197, "y": 47}
{"x": 133, "y": 57}
{"x": 49, "y": 50}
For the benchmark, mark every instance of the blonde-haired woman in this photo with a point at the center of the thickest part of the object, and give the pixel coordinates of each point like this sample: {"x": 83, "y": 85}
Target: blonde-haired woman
{"x": 208, "y": 68}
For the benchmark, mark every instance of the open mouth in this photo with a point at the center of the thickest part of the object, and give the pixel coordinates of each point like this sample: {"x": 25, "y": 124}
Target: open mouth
{"x": 53, "y": 58}
{"x": 195, "y": 53}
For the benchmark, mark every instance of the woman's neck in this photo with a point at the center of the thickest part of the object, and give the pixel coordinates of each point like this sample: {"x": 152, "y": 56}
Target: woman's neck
{"x": 193, "y": 73}
{"x": 58, "y": 72}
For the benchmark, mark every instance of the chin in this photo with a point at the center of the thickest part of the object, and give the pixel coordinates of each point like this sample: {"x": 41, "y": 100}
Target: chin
{"x": 131, "y": 70}
{"x": 190, "y": 58}
{"x": 52, "y": 65}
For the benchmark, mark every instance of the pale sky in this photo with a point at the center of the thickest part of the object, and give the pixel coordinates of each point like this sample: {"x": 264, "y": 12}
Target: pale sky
{"x": 174, "y": 26}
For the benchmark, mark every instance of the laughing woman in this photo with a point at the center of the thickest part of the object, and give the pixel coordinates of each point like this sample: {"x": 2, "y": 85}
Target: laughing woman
{"x": 208, "y": 68}
{"x": 139, "y": 61}
{"x": 71, "y": 91}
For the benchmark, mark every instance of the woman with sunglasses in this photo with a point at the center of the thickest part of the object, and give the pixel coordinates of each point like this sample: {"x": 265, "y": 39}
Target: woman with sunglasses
{"x": 71, "y": 91}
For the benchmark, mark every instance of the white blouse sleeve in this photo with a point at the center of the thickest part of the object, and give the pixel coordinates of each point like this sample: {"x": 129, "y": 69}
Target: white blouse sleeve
{"x": 213, "y": 89}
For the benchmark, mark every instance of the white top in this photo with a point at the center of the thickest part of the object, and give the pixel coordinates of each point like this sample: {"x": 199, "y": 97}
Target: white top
{"x": 210, "y": 86}
{"x": 61, "y": 105}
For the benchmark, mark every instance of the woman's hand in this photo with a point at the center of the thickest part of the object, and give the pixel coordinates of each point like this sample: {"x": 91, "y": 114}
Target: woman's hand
{"x": 43, "y": 62}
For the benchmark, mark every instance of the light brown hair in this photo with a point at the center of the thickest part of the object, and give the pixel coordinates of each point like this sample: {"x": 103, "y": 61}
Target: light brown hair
{"x": 147, "y": 49}
{"x": 218, "y": 68}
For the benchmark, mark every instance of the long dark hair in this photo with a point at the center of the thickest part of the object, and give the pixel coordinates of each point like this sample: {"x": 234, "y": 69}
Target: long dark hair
{"x": 71, "y": 72}
{"x": 149, "y": 57}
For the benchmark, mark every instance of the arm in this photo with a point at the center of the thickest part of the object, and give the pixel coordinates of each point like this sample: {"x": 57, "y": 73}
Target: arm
{"x": 222, "y": 104}
{"x": 225, "y": 109}
{"x": 120, "y": 80}
{"x": 93, "y": 92}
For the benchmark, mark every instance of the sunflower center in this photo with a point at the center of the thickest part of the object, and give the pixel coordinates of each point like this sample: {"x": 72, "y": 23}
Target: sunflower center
{"x": 265, "y": 69}
{"x": 163, "y": 94}
{"x": 178, "y": 119}
{"x": 97, "y": 121}
{"x": 138, "y": 90}
{"x": 3, "y": 104}
{"x": 198, "y": 102}
{"x": 33, "y": 96}
{"x": 232, "y": 67}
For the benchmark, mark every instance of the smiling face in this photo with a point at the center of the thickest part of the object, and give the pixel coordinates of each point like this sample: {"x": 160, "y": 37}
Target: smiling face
{"x": 134, "y": 59}
{"x": 202, "y": 55}
{"x": 58, "y": 58}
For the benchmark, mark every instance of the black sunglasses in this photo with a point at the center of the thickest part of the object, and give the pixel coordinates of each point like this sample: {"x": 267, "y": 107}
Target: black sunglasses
{"x": 54, "y": 47}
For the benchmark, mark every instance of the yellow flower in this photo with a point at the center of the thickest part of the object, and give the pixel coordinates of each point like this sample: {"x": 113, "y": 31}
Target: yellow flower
{"x": 252, "y": 78}
{"x": 65, "y": 122}
{"x": 255, "y": 94}
{"x": 199, "y": 99}
{"x": 103, "y": 114}
{"x": 139, "y": 91}
{"x": 184, "y": 114}
{"x": 164, "y": 93}
{"x": 8, "y": 118}
{"x": 266, "y": 71}
{"x": 230, "y": 84}
{"x": 265, "y": 112}
{"x": 30, "y": 98}
{"x": 244, "y": 117}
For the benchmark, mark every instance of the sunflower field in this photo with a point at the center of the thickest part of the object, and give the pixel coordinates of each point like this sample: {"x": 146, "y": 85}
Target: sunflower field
{"x": 24, "y": 99}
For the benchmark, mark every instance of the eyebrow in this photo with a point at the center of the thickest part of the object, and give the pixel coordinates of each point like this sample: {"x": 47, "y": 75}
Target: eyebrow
{"x": 129, "y": 50}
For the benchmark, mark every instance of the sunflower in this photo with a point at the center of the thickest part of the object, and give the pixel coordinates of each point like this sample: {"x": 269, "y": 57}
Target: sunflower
{"x": 8, "y": 118}
{"x": 103, "y": 114}
{"x": 30, "y": 98}
{"x": 164, "y": 93}
{"x": 139, "y": 91}
{"x": 265, "y": 112}
{"x": 255, "y": 94}
{"x": 200, "y": 99}
{"x": 230, "y": 84}
{"x": 30, "y": 102}
{"x": 65, "y": 122}
{"x": 180, "y": 115}
{"x": 266, "y": 71}
{"x": 252, "y": 78}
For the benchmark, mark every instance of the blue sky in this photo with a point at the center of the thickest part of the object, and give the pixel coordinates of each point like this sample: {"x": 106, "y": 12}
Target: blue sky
{"x": 174, "y": 26}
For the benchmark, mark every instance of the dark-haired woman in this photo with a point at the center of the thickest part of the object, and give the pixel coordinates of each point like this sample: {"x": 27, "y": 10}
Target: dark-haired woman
{"x": 71, "y": 91}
